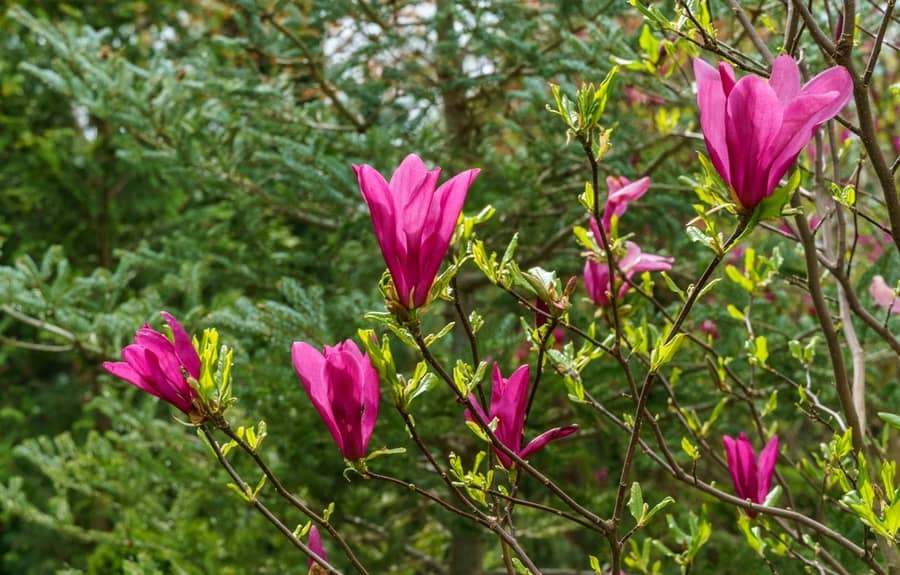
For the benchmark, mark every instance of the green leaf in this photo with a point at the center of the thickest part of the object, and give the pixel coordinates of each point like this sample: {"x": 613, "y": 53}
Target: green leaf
{"x": 664, "y": 353}
{"x": 690, "y": 449}
{"x": 735, "y": 312}
{"x": 668, "y": 500}
{"x": 737, "y": 277}
{"x": 636, "y": 502}
{"x": 771, "y": 404}
{"x": 891, "y": 419}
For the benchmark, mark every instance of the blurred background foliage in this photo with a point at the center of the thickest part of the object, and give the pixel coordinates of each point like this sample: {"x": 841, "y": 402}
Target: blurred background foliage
{"x": 196, "y": 157}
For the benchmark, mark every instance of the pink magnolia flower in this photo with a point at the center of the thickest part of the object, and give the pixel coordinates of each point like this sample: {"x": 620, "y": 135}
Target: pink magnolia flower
{"x": 709, "y": 328}
{"x": 413, "y": 222}
{"x": 509, "y": 398}
{"x": 754, "y": 129}
{"x": 884, "y": 295}
{"x": 874, "y": 245}
{"x": 315, "y": 545}
{"x": 622, "y": 192}
{"x": 159, "y": 366}
{"x": 752, "y": 476}
{"x": 597, "y": 274}
{"x": 343, "y": 387}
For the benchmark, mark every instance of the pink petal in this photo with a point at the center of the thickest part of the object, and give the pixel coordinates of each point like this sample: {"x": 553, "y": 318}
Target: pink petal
{"x": 145, "y": 362}
{"x": 124, "y": 371}
{"x": 766, "y": 468}
{"x": 799, "y": 124}
{"x": 184, "y": 348}
{"x": 596, "y": 281}
{"x": 752, "y": 121}
{"x": 883, "y": 295}
{"x": 344, "y": 378}
{"x": 742, "y": 466}
{"x": 543, "y": 439}
{"x": 441, "y": 221}
{"x": 614, "y": 184}
{"x": 785, "y": 78}
{"x": 711, "y": 101}
{"x": 819, "y": 101}
{"x": 309, "y": 364}
{"x": 408, "y": 176}
{"x": 731, "y": 456}
{"x": 382, "y": 208}
{"x": 726, "y": 75}
{"x": 508, "y": 400}
{"x": 164, "y": 351}
{"x": 315, "y": 545}
{"x": 617, "y": 201}
{"x": 371, "y": 397}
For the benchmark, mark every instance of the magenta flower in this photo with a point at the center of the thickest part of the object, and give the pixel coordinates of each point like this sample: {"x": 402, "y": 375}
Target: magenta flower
{"x": 622, "y": 192}
{"x": 413, "y": 222}
{"x": 597, "y": 274}
{"x": 710, "y": 328}
{"x": 752, "y": 477}
{"x": 754, "y": 129}
{"x": 884, "y": 295}
{"x": 343, "y": 387}
{"x": 159, "y": 366}
{"x": 509, "y": 398}
{"x": 315, "y": 545}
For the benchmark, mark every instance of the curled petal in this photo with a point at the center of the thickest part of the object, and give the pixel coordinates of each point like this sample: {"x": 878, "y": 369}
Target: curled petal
{"x": 543, "y": 439}
{"x": 618, "y": 199}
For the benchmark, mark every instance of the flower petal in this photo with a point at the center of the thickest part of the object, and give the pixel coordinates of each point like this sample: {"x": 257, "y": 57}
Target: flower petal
{"x": 124, "y": 371}
{"x": 819, "y": 101}
{"x": 742, "y": 466}
{"x": 543, "y": 439}
{"x": 752, "y": 121}
{"x": 315, "y": 545}
{"x": 408, "y": 177}
{"x": 343, "y": 376}
{"x": 711, "y": 101}
{"x": 309, "y": 363}
{"x": 371, "y": 397}
{"x": 766, "y": 468}
{"x": 785, "y": 78}
{"x": 383, "y": 210}
{"x": 617, "y": 201}
{"x": 509, "y": 397}
{"x": 596, "y": 281}
{"x": 438, "y": 229}
{"x": 884, "y": 295}
{"x": 183, "y": 346}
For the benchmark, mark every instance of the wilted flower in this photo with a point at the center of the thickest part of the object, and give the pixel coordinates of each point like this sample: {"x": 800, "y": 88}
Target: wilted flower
{"x": 884, "y": 295}
{"x": 343, "y": 387}
{"x": 754, "y": 129}
{"x": 413, "y": 222}
{"x": 752, "y": 477}
{"x": 509, "y": 399}
{"x": 622, "y": 192}
{"x": 160, "y": 366}
{"x": 315, "y": 545}
{"x": 597, "y": 274}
